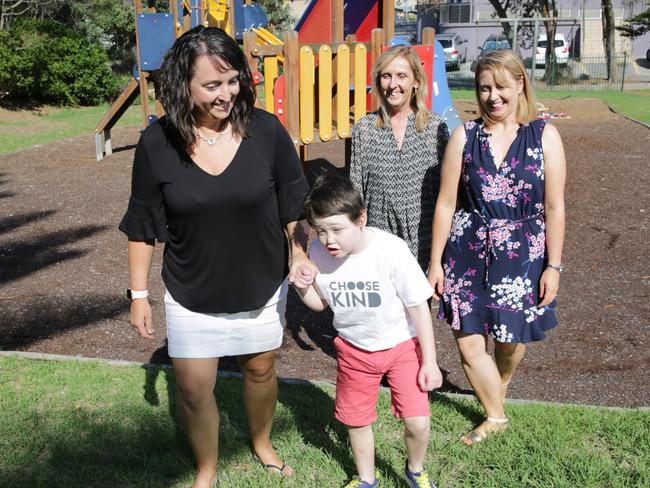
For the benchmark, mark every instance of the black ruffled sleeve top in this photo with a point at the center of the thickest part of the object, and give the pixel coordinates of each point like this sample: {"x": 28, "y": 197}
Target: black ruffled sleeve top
{"x": 225, "y": 247}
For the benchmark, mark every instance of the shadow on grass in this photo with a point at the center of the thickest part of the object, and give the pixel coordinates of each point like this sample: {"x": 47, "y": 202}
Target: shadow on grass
{"x": 312, "y": 411}
{"x": 473, "y": 413}
{"x": 95, "y": 451}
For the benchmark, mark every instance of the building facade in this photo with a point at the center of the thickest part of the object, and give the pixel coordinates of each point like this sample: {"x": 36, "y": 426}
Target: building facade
{"x": 581, "y": 24}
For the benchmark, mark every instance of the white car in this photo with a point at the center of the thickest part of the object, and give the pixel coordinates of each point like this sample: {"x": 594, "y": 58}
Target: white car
{"x": 561, "y": 49}
{"x": 455, "y": 49}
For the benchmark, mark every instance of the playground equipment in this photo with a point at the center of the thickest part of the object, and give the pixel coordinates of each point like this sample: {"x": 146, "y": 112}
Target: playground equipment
{"x": 155, "y": 34}
{"x": 316, "y": 81}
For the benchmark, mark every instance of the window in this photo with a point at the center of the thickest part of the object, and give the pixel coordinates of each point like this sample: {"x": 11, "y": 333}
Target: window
{"x": 455, "y": 13}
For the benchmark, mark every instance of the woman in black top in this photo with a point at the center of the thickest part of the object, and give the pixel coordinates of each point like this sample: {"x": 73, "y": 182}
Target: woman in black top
{"x": 219, "y": 182}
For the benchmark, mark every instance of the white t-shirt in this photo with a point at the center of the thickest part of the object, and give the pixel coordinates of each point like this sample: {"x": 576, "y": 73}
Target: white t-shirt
{"x": 369, "y": 291}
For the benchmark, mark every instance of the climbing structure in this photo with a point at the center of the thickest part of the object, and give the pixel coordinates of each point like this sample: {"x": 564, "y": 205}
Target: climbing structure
{"x": 316, "y": 80}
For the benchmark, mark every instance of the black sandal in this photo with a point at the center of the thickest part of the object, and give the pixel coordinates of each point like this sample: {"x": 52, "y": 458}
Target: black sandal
{"x": 273, "y": 468}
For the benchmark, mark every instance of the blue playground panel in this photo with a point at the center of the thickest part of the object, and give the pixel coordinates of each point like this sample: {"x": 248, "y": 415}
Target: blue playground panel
{"x": 155, "y": 37}
{"x": 248, "y": 17}
{"x": 441, "y": 101}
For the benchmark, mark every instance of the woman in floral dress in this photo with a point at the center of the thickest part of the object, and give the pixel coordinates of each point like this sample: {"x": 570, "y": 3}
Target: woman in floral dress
{"x": 499, "y": 221}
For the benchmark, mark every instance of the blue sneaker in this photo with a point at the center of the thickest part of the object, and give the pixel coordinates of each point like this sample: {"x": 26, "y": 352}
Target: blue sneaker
{"x": 418, "y": 480}
{"x": 357, "y": 483}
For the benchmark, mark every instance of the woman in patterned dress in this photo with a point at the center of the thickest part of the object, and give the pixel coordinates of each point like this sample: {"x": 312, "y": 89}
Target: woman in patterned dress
{"x": 396, "y": 151}
{"x": 500, "y": 221}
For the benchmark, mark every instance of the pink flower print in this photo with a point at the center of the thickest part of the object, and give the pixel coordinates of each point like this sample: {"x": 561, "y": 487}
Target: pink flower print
{"x": 497, "y": 188}
{"x": 536, "y": 245}
{"x": 500, "y": 238}
{"x": 454, "y": 293}
{"x": 464, "y": 308}
{"x": 470, "y": 124}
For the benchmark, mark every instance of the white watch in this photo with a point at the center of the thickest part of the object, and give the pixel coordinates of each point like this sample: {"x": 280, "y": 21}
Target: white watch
{"x": 133, "y": 294}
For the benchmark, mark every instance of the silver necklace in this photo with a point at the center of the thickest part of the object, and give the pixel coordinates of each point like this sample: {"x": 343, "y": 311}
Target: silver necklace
{"x": 210, "y": 141}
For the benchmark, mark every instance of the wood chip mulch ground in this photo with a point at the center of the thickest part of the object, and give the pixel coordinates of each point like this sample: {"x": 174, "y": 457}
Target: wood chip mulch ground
{"x": 63, "y": 267}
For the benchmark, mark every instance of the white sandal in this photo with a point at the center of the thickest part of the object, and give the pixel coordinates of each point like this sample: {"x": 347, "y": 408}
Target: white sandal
{"x": 473, "y": 436}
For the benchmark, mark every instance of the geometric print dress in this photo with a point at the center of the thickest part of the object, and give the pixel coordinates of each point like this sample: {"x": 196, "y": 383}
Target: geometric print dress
{"x": 496, "y": 251}
{"x": 400, "y": 186}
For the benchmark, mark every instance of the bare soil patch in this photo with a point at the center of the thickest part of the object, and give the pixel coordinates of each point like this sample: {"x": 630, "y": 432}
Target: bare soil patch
{"x": 63, "y": 267}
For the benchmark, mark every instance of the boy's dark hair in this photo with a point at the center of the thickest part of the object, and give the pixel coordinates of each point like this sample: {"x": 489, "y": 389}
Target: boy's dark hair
{"x": 332, "y": 195}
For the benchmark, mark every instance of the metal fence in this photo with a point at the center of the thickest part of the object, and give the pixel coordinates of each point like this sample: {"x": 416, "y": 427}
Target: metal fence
{"x": 578, "y": 74}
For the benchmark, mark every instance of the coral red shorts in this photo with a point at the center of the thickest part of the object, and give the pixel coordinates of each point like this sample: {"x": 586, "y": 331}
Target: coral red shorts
{"x": 359, "y": 374}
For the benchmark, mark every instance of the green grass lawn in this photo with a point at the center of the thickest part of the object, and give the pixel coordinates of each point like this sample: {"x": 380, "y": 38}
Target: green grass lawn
{"x": 74, "y": 424}
{"x": 19, "y": 130}
{"x": 23, "y": 129}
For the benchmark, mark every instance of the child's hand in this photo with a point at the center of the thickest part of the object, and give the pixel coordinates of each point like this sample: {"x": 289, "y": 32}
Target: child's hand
{"x": 429, "y": 377}
{"x": 304, "y": 276}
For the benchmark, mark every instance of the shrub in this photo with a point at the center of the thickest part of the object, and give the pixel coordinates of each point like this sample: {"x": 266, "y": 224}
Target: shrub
{"x": 46, "y": 62}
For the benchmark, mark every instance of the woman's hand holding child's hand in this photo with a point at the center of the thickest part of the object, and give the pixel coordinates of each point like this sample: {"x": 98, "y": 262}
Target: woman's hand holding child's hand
{"x": 304, "y": 275}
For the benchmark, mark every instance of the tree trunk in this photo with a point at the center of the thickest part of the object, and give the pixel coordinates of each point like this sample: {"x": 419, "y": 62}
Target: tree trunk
{"x": 609, "y": 36}
{"x": 548, "y": 9}
{"x": 502, "y": 12}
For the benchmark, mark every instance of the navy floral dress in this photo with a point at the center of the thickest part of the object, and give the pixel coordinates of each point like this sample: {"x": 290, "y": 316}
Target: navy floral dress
{"x": 496, "y": 251}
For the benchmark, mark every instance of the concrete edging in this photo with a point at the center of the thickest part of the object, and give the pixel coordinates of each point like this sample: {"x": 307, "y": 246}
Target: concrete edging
{"x": 290, "y": 381}
{"x": 612, "y": 109}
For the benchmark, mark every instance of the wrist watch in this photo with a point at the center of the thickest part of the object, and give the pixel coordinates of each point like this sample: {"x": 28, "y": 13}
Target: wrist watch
{"x": 133, "y": 294}
{"x": 557, "y": 267}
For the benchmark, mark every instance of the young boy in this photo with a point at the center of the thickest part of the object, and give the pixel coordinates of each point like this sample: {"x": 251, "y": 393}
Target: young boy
{"x": 378, "y": 294}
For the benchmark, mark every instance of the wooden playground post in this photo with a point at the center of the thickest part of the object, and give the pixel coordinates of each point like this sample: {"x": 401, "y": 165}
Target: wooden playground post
{"x": 231, "y": 18}
{"x": 292, "y": 87}
{"x": 250, "y": 43}
{"x": 428, "y": 39}
{"x": 388, "y": 19}
{"x": 376, "y": 43}
{"x": 173, "y": 9}
{"x": 337, "y": 21}
{"x": 428, "y": 36}
{"x": 144, "y": 86}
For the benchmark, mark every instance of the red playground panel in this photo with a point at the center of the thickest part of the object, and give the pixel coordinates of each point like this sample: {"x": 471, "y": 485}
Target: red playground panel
{"x": 360, "y": 17}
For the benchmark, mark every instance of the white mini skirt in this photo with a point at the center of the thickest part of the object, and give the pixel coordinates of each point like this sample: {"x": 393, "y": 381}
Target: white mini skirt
{"x": 214, "y": 335}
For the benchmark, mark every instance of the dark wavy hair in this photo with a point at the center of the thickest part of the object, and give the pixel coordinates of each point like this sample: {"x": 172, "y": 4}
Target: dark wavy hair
{"x": 331, "y": 195}
{"x": 177, "y": 71}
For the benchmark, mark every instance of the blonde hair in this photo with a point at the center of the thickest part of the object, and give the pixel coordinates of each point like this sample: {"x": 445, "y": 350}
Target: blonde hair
{"x": 419, "y": 96}
{"x": 500, "y": 63}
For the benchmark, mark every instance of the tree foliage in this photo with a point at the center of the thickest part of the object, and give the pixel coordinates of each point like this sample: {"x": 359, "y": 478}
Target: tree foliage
{"x": 11, "y": 10}
{"x": 47, "y": 62}
{"x": 279, "y": 15}
{"x": 636, "y": 26}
